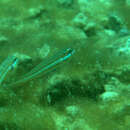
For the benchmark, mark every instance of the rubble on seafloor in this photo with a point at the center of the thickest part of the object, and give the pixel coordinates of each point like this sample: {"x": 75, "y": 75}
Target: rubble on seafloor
{"x": 90, "y": 90}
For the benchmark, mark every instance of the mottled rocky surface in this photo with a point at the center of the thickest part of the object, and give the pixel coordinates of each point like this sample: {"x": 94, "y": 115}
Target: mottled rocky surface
{"x": 88, "y": 91}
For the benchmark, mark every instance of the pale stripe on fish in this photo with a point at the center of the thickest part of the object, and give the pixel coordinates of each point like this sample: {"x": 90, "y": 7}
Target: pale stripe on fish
{"x": 6, "y": 66}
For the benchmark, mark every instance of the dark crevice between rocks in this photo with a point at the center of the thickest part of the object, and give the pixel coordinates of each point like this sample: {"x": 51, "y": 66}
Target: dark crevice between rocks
{"x": 113, "y": 24}
{"x": 76, "y": 88}
{"x": 92, "y": 31}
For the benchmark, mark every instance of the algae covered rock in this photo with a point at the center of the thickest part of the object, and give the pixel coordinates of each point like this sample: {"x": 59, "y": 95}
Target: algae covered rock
{"x": 109, "y": 96}
{"x": 80, "y": 20}
{"x": 64, "y": 89}
{"x": 91, "y": 91}
{"x": 72, "y": 110}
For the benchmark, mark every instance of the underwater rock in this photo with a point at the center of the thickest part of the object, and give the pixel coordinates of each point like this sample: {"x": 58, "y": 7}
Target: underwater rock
{"x": 71, "y": 34}
{"x": 125, "y": 49}
{"x": 72, "y": 110}
{"x": 75, "y": 88}
{"x": 80, "y": 20}
{"x": 80, "y": 124}
{"x": 61, "y": 121}
{"x": 108, "y": 3}
{"x": 110, "y": 33}
{"x": 57, "y": 78}
{"x": 83, "y": 4}
{"x": 124, "y": 75}
{"x": 124, "y": 32}
{"x": 3, "y": 39}
{"x": 118, "y": 85}
{"x": 109, "y": 96}
{"x": 43, "y": 51}
{"x": 112, "y": 85}
{"x": 121, "y": 48}
{"x": 64, "y": 122}
{"x": 128, "y": 2}
{"x": 113, "y": 22}
{"x": 36, "y": 12}
{"x": 90, "y": 29}
{"x": 56, "y": 93}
